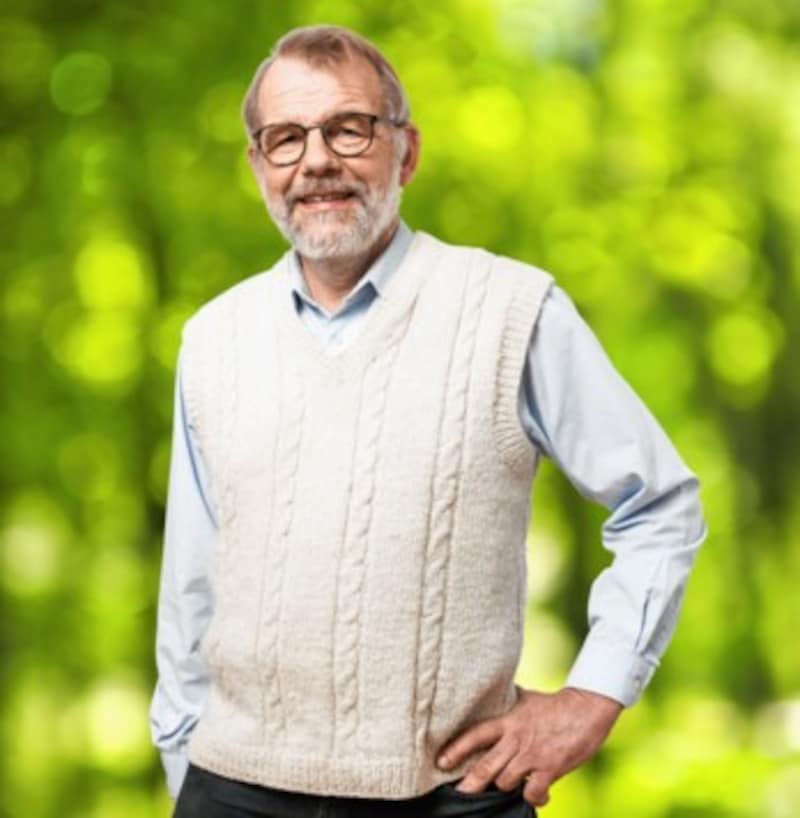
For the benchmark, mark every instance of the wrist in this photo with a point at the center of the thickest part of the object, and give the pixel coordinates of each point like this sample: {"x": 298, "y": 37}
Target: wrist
{"x": 599, "y": 700}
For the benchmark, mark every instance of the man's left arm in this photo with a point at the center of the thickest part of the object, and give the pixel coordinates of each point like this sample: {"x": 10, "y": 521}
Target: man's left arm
{"x": 581, "y": 413}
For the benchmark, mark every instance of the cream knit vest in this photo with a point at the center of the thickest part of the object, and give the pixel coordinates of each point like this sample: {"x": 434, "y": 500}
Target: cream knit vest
{"x": 369, "y": 577}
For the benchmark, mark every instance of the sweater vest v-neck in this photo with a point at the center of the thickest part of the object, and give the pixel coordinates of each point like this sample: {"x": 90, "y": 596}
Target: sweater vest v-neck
{"x": 369, "y": 573}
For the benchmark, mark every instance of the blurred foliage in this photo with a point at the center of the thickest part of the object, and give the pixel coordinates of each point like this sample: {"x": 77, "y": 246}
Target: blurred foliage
{"x": 649, "y": 156}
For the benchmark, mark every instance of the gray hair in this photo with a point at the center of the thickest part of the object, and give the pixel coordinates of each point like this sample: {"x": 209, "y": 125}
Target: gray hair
{"x": 326, "y": 46}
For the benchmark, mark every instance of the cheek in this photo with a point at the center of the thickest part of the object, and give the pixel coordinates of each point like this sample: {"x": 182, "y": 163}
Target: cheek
{"x": 277, "y": 188}
{"x": 376, "y": 180}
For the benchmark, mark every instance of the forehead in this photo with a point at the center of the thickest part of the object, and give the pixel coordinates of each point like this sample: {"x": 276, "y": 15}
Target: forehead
{"x": 294, "y": 90}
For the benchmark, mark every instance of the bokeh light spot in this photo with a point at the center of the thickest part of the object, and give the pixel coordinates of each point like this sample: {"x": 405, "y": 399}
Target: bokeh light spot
{"x": 110, "y": 272}
{"x": 778, "y": 728}
{"x": 742, "y": 346}
{"x": 219, "y": 112}
{"x": 25, "y": 59}
{"x": 117, "y": 725}
{"x": 490, "y": 119}
{"x": 32, "y": 545}
{"x": 103, "y": 347}
{"x": 80, "y": 83}
{"x": 16, "y": 169}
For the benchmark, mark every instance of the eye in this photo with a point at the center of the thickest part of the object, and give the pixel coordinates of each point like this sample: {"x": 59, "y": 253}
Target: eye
{"x": 349, "y": 126}
{"x": 282, "y": 137}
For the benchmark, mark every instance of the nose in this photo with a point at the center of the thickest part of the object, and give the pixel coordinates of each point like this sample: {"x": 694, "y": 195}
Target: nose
{"x": 318, "y": 159}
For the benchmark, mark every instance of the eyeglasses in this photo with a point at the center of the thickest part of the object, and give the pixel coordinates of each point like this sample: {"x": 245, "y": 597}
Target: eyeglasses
{"x": 346, "y": 134}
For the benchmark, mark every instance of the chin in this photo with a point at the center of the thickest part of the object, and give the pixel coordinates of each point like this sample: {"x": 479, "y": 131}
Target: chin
{"x": 332, "y": 246}
{"x": 330, "y": 236}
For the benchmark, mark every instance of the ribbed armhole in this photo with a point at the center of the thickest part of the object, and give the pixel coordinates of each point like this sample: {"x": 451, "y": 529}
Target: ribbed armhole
{"x": 202, "y": 364}
{"x": 530, "y": 286}
{"x": 190, "y": 357}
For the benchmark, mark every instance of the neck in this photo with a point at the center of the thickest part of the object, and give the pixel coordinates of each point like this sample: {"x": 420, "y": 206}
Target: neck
{"x": 329, "y": 280}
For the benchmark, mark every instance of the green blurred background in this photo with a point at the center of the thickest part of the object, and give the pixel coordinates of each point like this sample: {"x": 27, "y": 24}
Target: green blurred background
{"x": 649, "y": 158}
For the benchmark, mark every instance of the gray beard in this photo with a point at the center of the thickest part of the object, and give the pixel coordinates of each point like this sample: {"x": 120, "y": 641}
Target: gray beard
{"x": 357, "y": 233}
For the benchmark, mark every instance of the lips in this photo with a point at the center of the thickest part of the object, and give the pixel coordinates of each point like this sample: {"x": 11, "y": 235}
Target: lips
{"x": 326, "y": 197}
{"x": 321, "y": 196}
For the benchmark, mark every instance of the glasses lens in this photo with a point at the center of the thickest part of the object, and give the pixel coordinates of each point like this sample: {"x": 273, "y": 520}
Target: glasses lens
{"x": 348, "y": 134}
{"x": 283, "y": 144}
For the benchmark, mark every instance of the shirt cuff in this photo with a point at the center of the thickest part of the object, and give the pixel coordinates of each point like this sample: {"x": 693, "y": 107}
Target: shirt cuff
{"x": 175, "y": 764}
{"x": 607, "y": 667}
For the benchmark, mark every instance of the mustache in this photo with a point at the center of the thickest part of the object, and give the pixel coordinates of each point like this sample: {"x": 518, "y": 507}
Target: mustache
{"x": 321, "y": 189}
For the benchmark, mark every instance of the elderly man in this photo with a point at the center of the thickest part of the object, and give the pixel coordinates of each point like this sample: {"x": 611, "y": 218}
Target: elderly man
{"x": 356, "y": 434}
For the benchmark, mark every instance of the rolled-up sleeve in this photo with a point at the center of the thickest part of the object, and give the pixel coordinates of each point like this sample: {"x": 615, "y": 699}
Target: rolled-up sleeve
{"x": 184, "y": 602}
{"x": 580, "y": 412}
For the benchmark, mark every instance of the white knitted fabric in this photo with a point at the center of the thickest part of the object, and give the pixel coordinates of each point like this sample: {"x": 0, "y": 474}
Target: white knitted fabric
{"x": 369, "y": 576}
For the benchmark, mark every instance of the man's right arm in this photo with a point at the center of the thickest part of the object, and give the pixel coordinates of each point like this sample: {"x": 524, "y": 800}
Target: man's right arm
{"x": 184, "y": 603}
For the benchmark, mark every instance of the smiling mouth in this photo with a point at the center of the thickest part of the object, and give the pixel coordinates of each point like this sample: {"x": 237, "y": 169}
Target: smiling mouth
{"x": 331, "y": 198}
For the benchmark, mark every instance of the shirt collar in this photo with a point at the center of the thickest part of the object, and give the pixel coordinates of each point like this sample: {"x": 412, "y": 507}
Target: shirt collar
{"x": 377, "y": 276}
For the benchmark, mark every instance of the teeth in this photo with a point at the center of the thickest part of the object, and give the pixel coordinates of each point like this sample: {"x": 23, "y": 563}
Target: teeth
{"x": 327, "y": 197}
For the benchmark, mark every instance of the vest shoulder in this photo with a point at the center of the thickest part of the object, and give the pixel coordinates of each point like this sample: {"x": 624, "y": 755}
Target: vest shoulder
{"x": 248, "y": 292}
{"x": 462, "y": 254}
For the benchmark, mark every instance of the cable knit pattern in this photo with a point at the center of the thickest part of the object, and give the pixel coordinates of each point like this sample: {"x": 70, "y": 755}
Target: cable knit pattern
{"x": 445, "y": 495}
{"x": 353, "y": 563}
{"x": 370, "y": 578}
{"x": 285, "y": 487}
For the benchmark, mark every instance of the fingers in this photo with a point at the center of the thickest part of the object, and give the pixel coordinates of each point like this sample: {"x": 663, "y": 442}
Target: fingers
{"x": 486, "y": 768}
{"x": 481, "y": 735}
{"x": 516, "y": 772}
{"x": 537, "y": 788}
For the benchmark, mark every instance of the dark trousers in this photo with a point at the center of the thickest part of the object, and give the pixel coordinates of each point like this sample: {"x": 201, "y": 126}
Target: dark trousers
{"x": 207, "y": 795}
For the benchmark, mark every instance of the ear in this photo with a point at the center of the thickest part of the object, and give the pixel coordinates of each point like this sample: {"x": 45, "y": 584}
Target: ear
{"x": 256, "y": 163}
{"x": 252, "y": 157}
{"x": 411, "y": 157}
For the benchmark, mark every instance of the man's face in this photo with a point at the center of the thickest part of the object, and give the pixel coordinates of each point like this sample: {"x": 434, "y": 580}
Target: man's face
{"x": 366, "y": 188}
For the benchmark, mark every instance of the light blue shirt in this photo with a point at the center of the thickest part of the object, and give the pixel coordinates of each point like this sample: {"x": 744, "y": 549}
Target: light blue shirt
{"x": 576, "y": 408}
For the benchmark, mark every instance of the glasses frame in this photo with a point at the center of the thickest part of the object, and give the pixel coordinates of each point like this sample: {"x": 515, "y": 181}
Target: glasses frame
{"x": 372, "y": 118}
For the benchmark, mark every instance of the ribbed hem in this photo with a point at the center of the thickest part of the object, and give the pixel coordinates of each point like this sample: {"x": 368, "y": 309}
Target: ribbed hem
{"x": 341, "y": 777}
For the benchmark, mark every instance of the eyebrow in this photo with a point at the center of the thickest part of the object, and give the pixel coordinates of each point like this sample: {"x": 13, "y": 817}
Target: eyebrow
{"x": 318, "y": 121}
{"x": 350, "y": 105}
